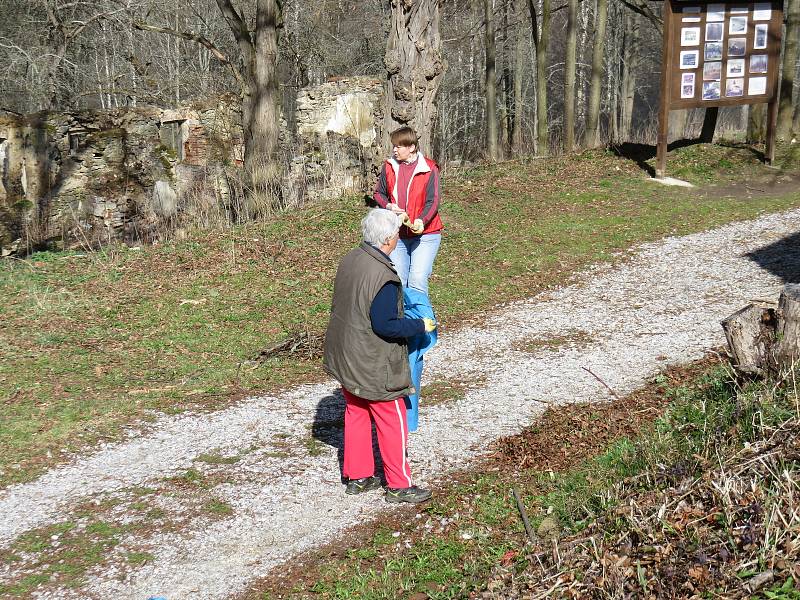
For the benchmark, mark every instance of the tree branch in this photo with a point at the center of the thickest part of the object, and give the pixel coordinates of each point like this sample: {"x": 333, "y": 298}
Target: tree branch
{"x": 194, "y": 37}
{"x": 641, "y": 7}
{"x": 239, "y": 29}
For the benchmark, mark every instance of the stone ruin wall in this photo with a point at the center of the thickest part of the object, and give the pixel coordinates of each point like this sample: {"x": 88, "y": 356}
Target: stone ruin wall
{"x": 92, "y": 177}
{"x": 339, "y": 131}
{"x": 86, "y": 178}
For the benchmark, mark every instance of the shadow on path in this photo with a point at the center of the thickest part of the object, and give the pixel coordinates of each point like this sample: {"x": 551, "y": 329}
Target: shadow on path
{"x": 781, "y": 258}
{"x": 328, "y": 428}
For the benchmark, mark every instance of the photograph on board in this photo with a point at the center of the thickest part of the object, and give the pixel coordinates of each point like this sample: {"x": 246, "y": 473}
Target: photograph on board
{"x": 714, "y": 32}
{"x": 735, "y": 67}
{"x": 737, "y": 46}
{"x": 760, "y": 37}
{"x": 711, "y": 90}
{"x": 756, "y": 86}
{"x": 712, "y": 70}
{"x": 758, "y": 63}
{"x": 713, "y": 51}
{"x": 689, "y": 59}
{"x": 762, "y": 11}
{"x": 738, "y": 9}
{"x": 687, "y": 85}
{"x": 715, "y": 12}
{"x": 734, "y": 88}
{"x": 691, "y": 14}
{"x": 737, "y": 25}
{"x": 690, "y": 36}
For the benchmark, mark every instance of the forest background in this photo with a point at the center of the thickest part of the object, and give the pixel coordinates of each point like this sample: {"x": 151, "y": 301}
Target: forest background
{"x": 481, "y": 80}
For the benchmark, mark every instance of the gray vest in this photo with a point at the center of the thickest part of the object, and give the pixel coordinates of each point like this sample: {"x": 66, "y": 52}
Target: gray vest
{"x": 365, "y": 364}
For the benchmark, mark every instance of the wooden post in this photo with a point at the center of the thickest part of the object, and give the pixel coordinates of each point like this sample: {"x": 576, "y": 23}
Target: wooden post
{"x": 664, "y": 101}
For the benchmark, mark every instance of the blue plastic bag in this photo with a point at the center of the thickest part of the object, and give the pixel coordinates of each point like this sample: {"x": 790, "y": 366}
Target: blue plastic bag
{"x": 417, "y": 305}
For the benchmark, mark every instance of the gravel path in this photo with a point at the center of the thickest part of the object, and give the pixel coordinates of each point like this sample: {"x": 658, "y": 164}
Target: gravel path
{"x": 663, "y": 306}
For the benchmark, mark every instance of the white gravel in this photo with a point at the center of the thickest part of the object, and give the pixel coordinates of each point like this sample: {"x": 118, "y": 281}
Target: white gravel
{"x": 663, "y": 306}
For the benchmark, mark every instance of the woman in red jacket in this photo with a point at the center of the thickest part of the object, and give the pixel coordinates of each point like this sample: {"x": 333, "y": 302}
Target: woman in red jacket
{"x": 409, "y": 183}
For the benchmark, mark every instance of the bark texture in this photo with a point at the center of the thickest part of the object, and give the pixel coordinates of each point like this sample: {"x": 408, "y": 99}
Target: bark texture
{"x": 757, "y": 123}
{"x": 598, "y": 51}
{"x": 629, "y": 71}
{"x": 791, "y": 55}
{"x": 261, "y": 120}
{"x": 490, "y": 83}
{"x": 569, "y": 75}
{"x": 415, "y": 66}
{"x": 541, "y": 39}
{"x": 519, "y": 57}
{"x": 787, "y": 345}
{"x": 765, "y": 340}
{"x": 750, "y": 333}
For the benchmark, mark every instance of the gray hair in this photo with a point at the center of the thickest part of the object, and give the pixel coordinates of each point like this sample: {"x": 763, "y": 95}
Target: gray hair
{"x": 379, "y": 226}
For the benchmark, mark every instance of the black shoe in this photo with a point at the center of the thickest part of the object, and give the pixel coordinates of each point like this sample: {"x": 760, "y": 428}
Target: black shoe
{"x": 411, "y": 494}
{"x": 365, "y": 484}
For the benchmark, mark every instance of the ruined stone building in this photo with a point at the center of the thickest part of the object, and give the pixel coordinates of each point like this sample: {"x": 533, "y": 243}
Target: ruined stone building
{"x": 86, "y": 178}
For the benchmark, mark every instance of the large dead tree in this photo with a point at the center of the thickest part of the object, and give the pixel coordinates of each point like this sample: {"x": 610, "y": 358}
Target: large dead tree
{"x": 415, "y": 67}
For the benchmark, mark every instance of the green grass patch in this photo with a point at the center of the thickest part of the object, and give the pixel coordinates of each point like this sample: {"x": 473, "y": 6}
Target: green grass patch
{"x": 94, "y": 342}
{"x": 217, "y": 459}
{"x": 218, "y": 507}
{"x": 61, "y": 553}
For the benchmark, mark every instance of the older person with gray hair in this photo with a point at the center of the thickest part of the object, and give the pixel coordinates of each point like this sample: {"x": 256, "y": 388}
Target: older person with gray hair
{"x": 366, "y": 351}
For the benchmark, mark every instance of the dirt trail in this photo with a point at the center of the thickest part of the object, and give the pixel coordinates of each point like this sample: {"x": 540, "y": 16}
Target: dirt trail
{"x": 663, "y": 306}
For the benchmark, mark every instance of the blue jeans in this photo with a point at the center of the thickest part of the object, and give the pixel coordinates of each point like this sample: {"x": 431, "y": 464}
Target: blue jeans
{"x": 413, "y": 258}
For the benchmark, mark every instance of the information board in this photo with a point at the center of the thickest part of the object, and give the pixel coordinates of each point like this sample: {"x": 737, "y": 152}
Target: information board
{"x": 719, "y": 54}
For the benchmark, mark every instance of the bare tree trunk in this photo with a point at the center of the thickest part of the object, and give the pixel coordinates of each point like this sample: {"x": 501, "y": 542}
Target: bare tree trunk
{"x": 541, "y": 38}
{"x": 629, "y": 73}
{"x": 519, "y": 57}
{"x": 586, "y": 12}
{"x": 506, "y": 126}
{"x": 569, "y": 75}
{"x": 598, "y": 52}
{"x": 791, "y": 54}
{"x": 415, "y": 67}
{"x": 261, "y": 119}
{"x": 757, "y": 124}
{"x": 490, "y": 84}
{"x": 614, "y": 68}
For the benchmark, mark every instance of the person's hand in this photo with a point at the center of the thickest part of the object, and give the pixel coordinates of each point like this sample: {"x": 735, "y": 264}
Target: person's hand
{"x": 430, "y": 324}
{"x": 395, "y": 208}
{"x": 404, "y": 219}
{"x": 417, "y": 226}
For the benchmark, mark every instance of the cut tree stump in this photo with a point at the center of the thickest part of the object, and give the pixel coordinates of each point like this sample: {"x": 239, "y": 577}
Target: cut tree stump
{"x": 787, "y": 342}
{"x": 751, "y": 334}
{"x": 764, "y": 339}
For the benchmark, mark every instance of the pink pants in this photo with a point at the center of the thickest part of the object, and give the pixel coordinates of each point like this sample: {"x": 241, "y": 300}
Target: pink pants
{"x": 390, "y": 423}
